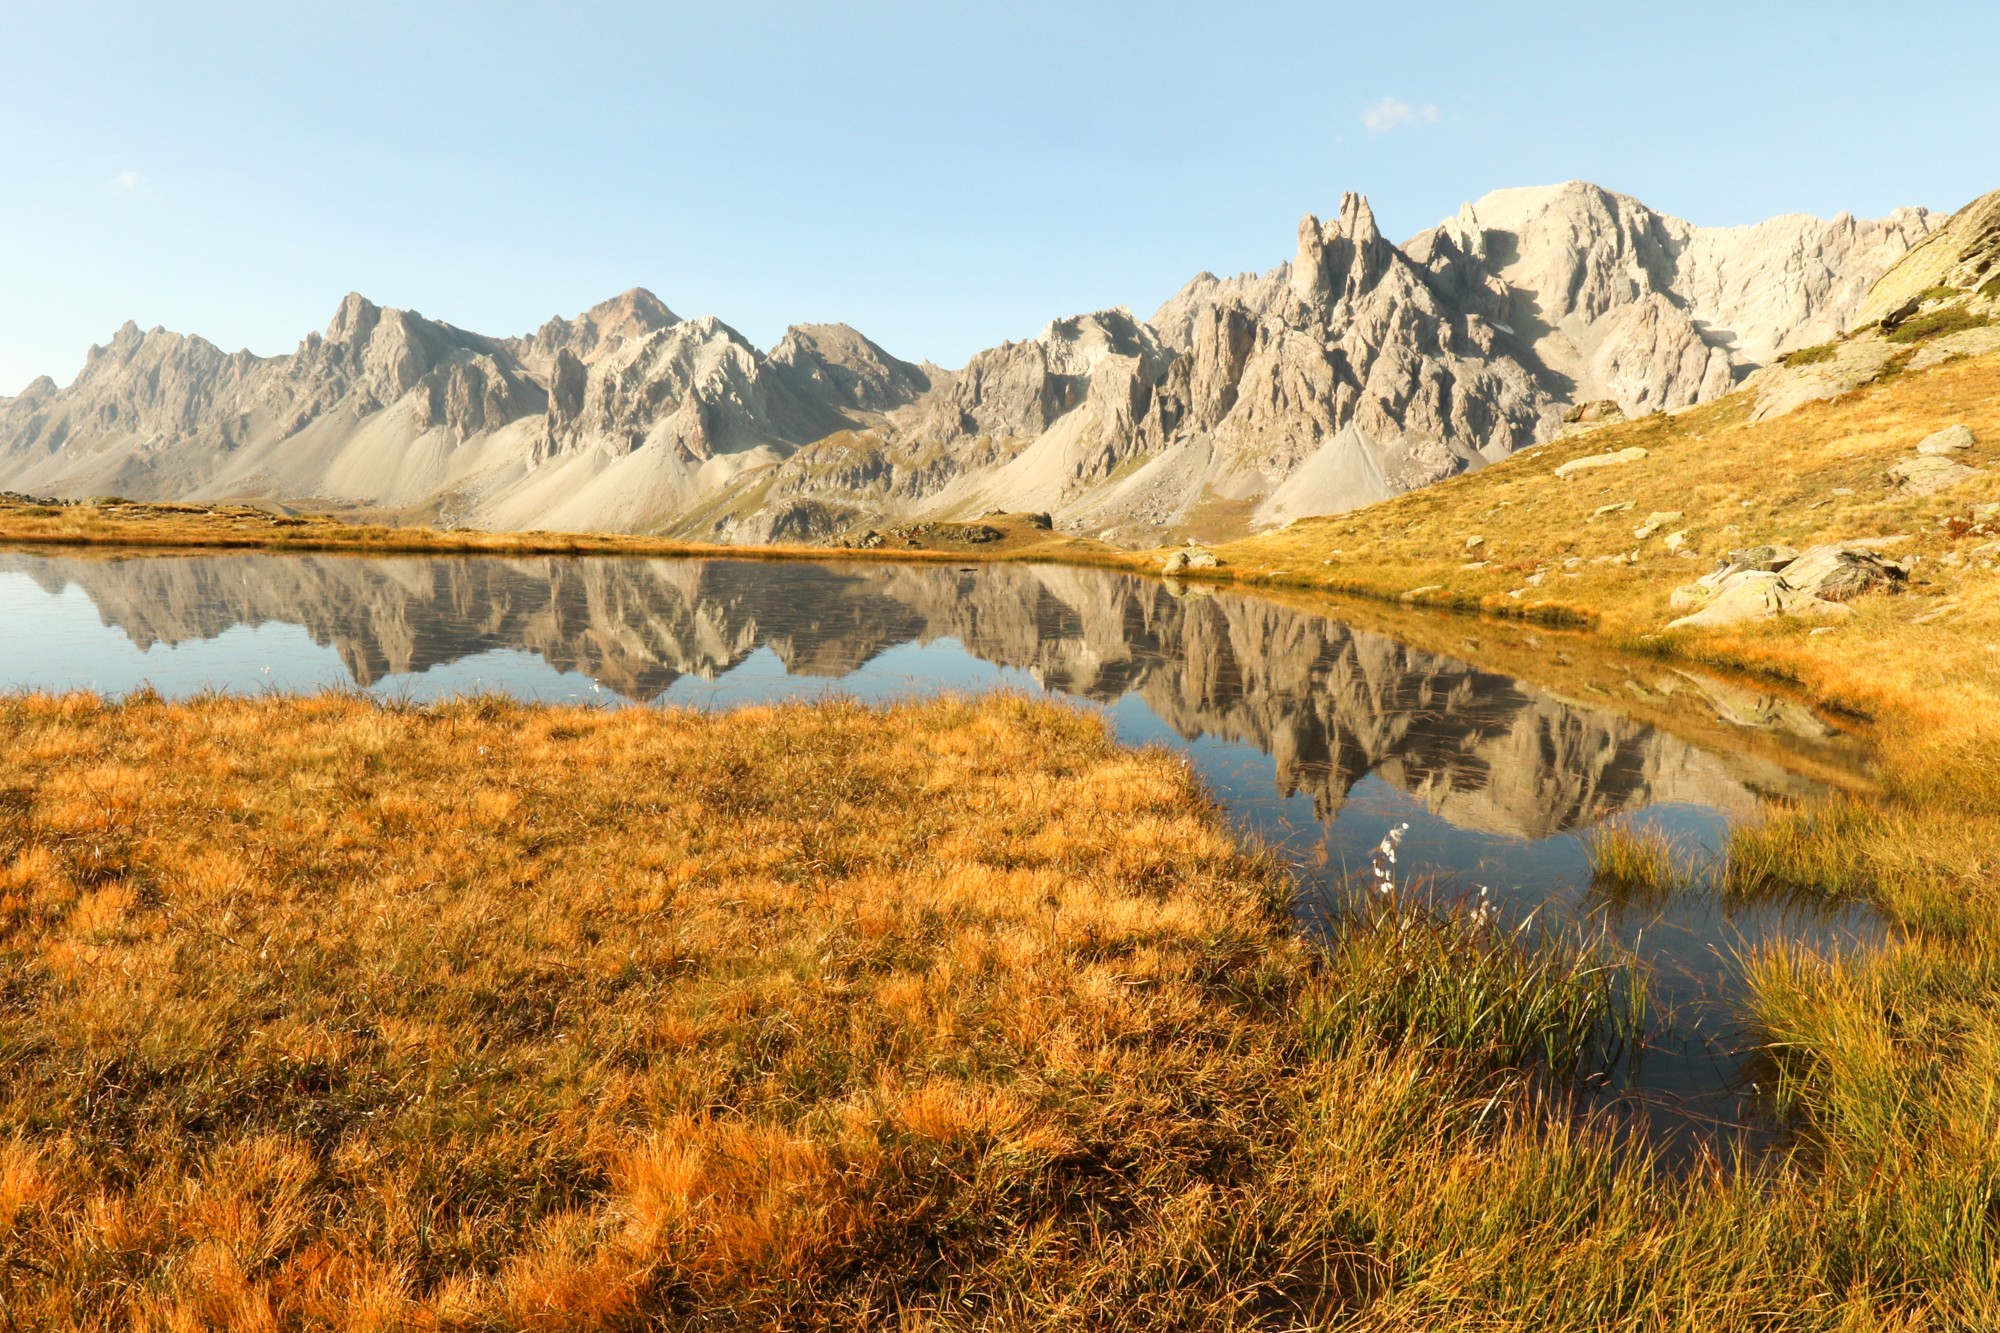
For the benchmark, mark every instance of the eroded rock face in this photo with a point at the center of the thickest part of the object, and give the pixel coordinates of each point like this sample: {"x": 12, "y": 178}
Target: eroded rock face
{"x": 692, "y": 390}
{"x": 597, "y": 332}
{"x": 1353, "y": 371}
{"x": 1627, "y": 301}
{"x": 162, "y": 415}
{"x": 832, "y": 362}
{"x": 1963, "y": 253}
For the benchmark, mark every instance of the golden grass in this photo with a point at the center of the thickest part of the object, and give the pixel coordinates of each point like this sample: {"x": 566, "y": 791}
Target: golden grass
{"x": 497, "y": 1015}
{"x": 323, "y": 1014}
{"x": 318, "y": 1014}
{"x": 1638, "y": 859}
{"x": 1734, "y": 483}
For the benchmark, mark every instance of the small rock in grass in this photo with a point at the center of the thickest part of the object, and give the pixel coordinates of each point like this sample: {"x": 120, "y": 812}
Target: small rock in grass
{"x": 1768, "y": 557}
{"x": 1757, "y": 595}
{"x": 1576, "y": 465}
{"x": 1840, "y": 573}
{"x": 1752, "y": 586}
{"x": 1927, "y": 474}
{"x": 1597, "y": 412}
{"x": 1656, "y": 520}
{"x": 1950, "y": 440}
{"x": 1194, "y": 557}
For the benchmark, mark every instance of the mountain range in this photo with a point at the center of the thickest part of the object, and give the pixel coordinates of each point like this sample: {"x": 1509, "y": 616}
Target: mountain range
{"x": 1355, "y": 370}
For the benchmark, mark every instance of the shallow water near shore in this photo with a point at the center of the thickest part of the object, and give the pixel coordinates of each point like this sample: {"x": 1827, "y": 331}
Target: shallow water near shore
{"x": 1316, "y": 736}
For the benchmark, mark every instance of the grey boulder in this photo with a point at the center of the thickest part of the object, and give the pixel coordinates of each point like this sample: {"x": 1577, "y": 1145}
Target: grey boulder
{"x": 1950, "y": 440}
{"x": 1769, "y": 557}
{"x": 1766, "y": 581}
{"x": 1193, "y": 557}
{"x": 1927, "y": 474}
{"x": 1756, "y": 595}
{"x": 1840, "y": 573}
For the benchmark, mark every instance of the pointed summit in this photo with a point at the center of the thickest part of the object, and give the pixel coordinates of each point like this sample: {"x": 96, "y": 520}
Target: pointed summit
{"x": 636, "y": 308}
{"x": 354, "y": 320}
{"x": 1341, "y": 258}
{"x": 838, "y": 362}
{"x": 597, "y": 332}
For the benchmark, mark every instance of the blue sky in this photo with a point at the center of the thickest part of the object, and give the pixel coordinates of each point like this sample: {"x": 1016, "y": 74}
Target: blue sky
{"x": 942, "y": 176}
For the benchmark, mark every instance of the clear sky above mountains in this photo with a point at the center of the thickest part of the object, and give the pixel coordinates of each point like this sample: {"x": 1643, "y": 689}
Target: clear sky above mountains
{"x": 942, "y": 176}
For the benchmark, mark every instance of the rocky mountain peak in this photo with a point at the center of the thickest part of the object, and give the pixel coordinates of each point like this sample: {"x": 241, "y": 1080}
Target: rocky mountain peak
{"x": 634, "y": 308}
{"x": 1578, "y": 250}
{"x": 690, "y": 391}
{"x": 1350, "y": 371}
{"x": 1076, "y": 344}
{"x": 836, "y": 360}
{"x": 1341, "y": 259}
{"x": 354, "y": 320}
{"x": 596, "y": 333}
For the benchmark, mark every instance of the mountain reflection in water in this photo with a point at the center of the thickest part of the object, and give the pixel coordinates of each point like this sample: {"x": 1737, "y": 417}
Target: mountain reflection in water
{"x": 1317, "y": 736}
{"x": 1330, "y": 704}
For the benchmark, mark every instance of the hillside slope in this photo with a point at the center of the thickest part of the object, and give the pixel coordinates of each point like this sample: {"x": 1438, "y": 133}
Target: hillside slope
{"x": 1664, "y": 501}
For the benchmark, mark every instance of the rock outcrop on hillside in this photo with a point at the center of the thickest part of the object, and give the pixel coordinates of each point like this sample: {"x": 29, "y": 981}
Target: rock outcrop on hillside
{"x": 1355, "y": 370}
{"x": 1961, "y": 256}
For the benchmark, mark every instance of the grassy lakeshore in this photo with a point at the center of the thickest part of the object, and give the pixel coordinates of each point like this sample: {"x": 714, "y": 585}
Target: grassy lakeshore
{"x": 112, "y": 523}
{"x": 327, "y": 1014}
{"x": 1890, "y": 1062}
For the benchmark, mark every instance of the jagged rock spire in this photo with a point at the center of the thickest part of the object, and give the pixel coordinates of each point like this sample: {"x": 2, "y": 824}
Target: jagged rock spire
{"x": 1341, "y": 259}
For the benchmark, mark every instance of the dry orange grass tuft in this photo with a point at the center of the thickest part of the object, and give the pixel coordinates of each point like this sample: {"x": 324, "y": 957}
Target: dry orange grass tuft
{"x": 495, "y": 1015}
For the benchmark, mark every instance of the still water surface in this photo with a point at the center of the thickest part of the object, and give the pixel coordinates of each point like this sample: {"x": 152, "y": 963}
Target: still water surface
{"x": 1317, "y": 736}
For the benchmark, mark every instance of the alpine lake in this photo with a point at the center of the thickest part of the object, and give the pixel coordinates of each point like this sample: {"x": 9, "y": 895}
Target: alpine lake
{"x": 1320, "y": 728}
